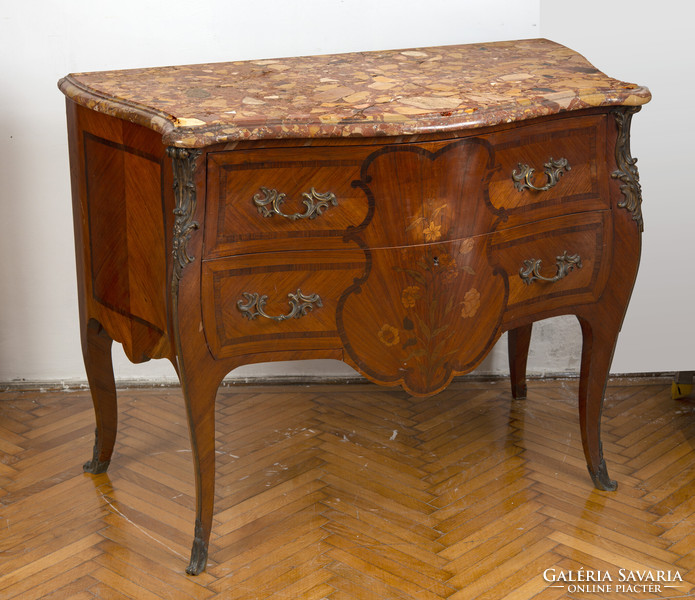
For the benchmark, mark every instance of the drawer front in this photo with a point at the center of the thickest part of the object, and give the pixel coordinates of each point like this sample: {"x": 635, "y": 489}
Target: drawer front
{"x": 422, "y": 314}
{"x": 564, "y": 260}
{"x": 445, "y": 191}
{"x": 319, "y": 198}
{"x": 426, "y": 193}
{"x": 275, "y": 301}
{"x": 280, "y": 199}
{"x": 550, "y": 169}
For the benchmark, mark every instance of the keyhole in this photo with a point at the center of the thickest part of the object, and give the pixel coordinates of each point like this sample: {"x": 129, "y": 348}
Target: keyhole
{"x": 436, "y": 261}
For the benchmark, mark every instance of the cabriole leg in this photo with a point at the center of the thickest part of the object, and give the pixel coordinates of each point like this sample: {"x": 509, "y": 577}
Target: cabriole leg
{"x": 518, "y": 341}
{"x": 96, "y": 351}
{"x": 599, "y": 339}
{"x": 200, "y": 404}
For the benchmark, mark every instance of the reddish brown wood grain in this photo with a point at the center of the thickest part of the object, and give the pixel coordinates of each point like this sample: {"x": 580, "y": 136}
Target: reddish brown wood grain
{"x": 234, "y": 224}
{"x": 232, "y": 332}
{"x": 417, "y": 264}
{"x": 118, "y": 175}
{"x": 518, "y": 342}
{"x": 584, "y": 187}
{"x": 422, "y": 314}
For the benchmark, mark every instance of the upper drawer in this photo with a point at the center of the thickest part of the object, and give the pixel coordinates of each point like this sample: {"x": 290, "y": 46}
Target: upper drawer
{"x": 552, "y": 168}
{"x": 402, "y": 194}
{"x": 284, "y": 197}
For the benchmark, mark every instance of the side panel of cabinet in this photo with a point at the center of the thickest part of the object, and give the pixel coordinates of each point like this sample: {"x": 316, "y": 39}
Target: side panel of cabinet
{"x": 119, "y": 173}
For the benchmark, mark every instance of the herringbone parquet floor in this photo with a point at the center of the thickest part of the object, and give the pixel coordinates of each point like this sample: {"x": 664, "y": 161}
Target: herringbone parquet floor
{"x": 350, "y": 492}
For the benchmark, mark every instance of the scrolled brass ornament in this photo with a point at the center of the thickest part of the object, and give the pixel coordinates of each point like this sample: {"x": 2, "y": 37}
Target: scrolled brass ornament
{"x": 553, "y": 170}
{"x": 253, "y": 305}
{"x": 315, "y": 202}
{"x": 627, "y": 166}
{"x": 184, "y": 162}
{"x": 530, "y": 272}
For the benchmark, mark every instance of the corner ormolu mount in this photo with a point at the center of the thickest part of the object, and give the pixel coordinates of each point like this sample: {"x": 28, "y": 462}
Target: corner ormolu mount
{"x": 627, "y": 170}
{"x": 184, "y": 164}
{"x": 184, "y": 161}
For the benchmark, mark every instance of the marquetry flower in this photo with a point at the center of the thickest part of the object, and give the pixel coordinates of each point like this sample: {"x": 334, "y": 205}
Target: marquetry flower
{"x": 445, "y": 261}
{"x": 432, "y": 232}
{"x": 471, "y": 303}
{"x": 389, "y": 335}
{"x": 466, "y": 246}
{"x": 409, "y": 295}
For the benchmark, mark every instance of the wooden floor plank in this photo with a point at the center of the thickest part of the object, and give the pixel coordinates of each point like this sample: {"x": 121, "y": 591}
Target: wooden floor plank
{"x": 494, "y": 553}
{"x": 381, "y": 518}
{"x": 413, "y": 547}
{"x": 346, "y": 492}
{"x": 69, "y": 574}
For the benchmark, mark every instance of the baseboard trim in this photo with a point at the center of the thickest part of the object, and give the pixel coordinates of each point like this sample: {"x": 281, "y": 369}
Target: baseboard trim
{"x": 81, "y": 384}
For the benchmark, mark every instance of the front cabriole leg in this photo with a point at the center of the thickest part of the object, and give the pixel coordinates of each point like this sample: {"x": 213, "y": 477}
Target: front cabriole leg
{"x": 199, "y": 394}
{"x": 200, "y": 375}
{"x": 600, "y": 335}
{"x": 602, "y": 321}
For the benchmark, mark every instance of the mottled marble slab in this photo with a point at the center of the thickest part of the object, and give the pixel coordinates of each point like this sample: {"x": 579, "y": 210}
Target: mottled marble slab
{"x": 364, "y": 94}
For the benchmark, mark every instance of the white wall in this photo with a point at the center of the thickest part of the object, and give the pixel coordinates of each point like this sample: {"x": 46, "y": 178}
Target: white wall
{"x": 651, "y": 44}
{"x": 41, "y": 40}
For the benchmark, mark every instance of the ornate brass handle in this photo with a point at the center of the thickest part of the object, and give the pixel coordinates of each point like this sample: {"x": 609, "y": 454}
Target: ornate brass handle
{"x": 553, "y": 170}
{"x": 300, "y": 304}
{"x": 565, "y": 263}
{"x": 314, "y": 201}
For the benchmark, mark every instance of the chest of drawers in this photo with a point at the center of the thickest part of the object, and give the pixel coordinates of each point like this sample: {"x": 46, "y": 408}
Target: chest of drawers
{"x": 397, "y": 210}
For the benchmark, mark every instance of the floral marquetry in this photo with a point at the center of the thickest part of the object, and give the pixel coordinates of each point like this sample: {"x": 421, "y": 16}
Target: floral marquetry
{"x": 438, "y": 327}
{"x": 471, "y": 303}
{"x": 410, "y": 294}
{"x": 389, "y": 335}
{"x": 432, "y": 232}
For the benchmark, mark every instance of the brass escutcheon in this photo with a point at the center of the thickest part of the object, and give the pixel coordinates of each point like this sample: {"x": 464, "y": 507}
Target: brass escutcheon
{"x": 530, "y": 272}
{"x": 300, "y": 304}
{"x": 314, "y": 201}
{"x": 553, "y": 170}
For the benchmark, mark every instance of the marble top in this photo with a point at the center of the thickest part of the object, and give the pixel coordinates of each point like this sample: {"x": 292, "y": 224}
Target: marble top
{"x": 363, "y": 94}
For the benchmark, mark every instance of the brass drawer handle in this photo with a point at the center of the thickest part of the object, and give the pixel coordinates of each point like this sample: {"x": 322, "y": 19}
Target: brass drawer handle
{"x": 299, "y": 305}
{"x": 553, "y": 170}
{"x": 314, "y": 201}
{"x": 565, "y": 263}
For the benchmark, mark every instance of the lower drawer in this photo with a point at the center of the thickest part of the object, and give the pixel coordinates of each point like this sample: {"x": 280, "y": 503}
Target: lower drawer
{"x": 564, "y": 260}
{"x": 275, "y": 301}
{"x": 414, "y": 315}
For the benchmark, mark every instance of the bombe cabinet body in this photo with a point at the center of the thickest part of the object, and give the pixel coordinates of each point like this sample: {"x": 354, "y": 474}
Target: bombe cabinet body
{"x": 355, "y": 217}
